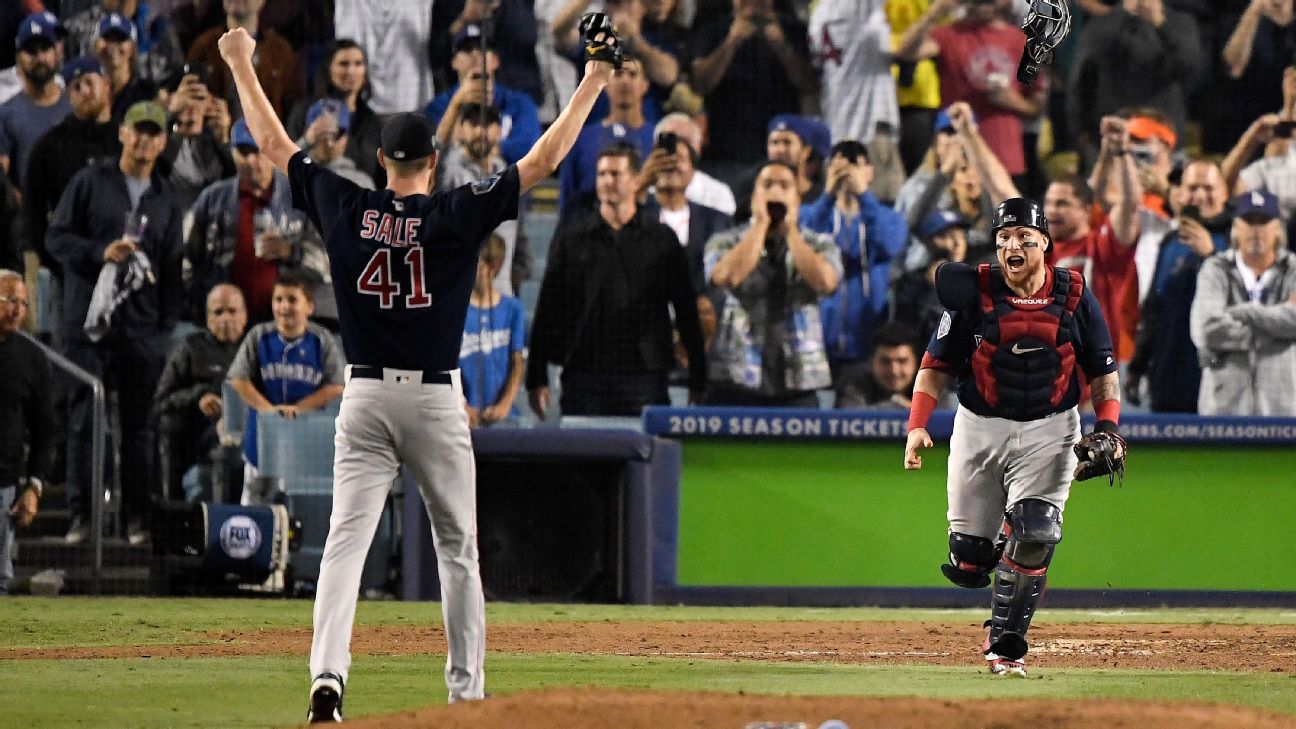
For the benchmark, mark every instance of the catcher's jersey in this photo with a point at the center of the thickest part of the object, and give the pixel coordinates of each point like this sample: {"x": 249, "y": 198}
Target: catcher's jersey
{"x": 402, "y": 269}
{"x": 962, "y": 329}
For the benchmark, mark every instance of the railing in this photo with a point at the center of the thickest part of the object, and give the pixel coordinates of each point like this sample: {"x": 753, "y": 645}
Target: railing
{"x": 98, "y": 445}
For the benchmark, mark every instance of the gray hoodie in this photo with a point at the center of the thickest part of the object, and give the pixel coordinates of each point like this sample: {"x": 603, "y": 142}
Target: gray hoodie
{"x": 1247, "y": 350}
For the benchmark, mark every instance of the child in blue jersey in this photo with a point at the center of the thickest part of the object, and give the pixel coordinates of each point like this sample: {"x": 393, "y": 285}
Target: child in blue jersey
{"x": 494, "y": 343}
{"x": 287, "y": 366}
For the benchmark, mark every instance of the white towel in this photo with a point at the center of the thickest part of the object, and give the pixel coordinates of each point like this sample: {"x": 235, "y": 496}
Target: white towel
{"x": 112, "y": 288}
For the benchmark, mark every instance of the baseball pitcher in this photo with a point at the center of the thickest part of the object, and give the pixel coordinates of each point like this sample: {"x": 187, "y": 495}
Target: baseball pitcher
{"x": 1014, "y": 337}
{"x": 403, "y": 264}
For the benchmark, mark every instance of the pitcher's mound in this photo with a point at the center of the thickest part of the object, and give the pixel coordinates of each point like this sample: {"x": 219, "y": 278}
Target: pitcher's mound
{"x": 623, "y": 709}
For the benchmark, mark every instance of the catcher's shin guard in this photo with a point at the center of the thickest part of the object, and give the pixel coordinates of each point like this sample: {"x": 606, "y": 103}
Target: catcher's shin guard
{"x": 1032, "y": 529}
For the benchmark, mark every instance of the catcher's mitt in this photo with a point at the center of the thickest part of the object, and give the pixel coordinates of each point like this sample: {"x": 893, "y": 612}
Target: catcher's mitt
{"x": 601, "y": 40}
{"x": 1101, "y": 453}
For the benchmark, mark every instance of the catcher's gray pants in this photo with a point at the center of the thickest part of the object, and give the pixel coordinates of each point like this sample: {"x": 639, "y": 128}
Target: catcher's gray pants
{"x": 382, "y": 425}
{"x": 995, "y": 462}
{"x": 8, "y": 495}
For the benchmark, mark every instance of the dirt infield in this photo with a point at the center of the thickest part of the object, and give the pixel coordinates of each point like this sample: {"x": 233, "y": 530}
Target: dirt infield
{"x": 1132, "y": 646}
{"x": 606, "y": 709}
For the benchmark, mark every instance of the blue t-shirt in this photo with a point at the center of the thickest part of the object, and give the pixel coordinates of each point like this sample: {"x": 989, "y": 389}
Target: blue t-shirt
{"x": 403, "y": 269}
{"x": 491, "y": 336}
{"x": 22, "y": 124}
{"x": 577, "y": 174}
{"x": 284, "y": 370}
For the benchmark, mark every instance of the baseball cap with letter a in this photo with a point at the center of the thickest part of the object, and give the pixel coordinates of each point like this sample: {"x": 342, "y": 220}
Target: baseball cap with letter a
{"x": 408, "y": 136}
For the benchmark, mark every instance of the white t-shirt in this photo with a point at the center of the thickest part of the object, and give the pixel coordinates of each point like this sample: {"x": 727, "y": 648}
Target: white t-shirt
{"x": 678, "y": 221}
{"x": 850, "y": 41}
{"x": 394, "y": 34}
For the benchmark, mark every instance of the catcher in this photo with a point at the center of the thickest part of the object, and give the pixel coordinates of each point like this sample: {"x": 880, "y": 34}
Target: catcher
{"x": 1013, "y": 337}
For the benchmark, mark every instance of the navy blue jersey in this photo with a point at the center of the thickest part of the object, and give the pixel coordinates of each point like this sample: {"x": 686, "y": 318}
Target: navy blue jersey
{"x": 963, "y": 327}
{"x": 402, "y": 269}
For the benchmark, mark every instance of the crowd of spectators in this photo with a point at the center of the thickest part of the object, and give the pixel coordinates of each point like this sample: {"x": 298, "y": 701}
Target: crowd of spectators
{"x": 755, "y": 211}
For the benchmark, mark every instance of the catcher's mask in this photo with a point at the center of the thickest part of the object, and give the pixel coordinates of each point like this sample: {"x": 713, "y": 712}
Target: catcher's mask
{"x": 1046, "y": 26}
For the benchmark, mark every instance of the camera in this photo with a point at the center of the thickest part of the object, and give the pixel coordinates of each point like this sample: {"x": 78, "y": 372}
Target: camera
{"x": 1284, "y": 129}
{"x": 1191, "y": 212}
{"x": 668, "y": 141}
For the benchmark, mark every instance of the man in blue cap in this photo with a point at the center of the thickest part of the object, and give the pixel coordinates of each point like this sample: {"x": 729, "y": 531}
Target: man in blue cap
{"x": 158, "y": 47}
{"x": 519, "y": 118}
{"x": 223, "y": 243}
{"x": 943, "y": 235}
{"x": 1243, "y": 317}
{"x": 26, "y": 117}
{"x": 800, "y": 141}
{"x": 84, "y": 136}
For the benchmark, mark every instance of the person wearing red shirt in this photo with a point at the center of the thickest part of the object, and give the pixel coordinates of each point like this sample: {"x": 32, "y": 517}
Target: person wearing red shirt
{"x": 977, "y": 59}
{"x": 1103, "y": 255}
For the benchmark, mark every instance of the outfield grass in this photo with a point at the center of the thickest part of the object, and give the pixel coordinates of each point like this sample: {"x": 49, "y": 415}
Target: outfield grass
{"x": 265, "y": 691}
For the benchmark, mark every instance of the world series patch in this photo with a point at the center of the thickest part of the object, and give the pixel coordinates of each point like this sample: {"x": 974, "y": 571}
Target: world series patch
{"x": 481, "y": 187}
{"x": 945, "y": 323}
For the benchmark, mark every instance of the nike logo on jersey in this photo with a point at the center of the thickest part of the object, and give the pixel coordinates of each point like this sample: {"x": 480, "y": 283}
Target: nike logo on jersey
{"x": 1017, "y": 349}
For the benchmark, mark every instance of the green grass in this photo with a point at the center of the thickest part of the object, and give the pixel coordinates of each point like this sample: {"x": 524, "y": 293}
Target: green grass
{"x": 267, "y": 692}
{"x": 77, "y": 621}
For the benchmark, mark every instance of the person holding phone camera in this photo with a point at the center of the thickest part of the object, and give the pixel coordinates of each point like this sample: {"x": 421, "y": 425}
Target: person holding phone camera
{"x": 476, "y": 65}
{"x": 1164, "y": 352}
{"x": 197, "y": 151}
{"x": 869, "y": 235}
{"x": 769, "y": 347}
{"x": 1275, "y": 171}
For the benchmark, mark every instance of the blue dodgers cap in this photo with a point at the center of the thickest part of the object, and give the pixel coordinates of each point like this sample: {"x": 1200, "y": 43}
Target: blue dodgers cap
{"x": 812, "y": 132}
{"x": 943, "y": 122}
{"x": 1257, "y": 204}
{"x": 43, "y": 26}
{"x": 80, "y": 66}
{"x": 241, "y": 136}
{"x": 939, "y": 222}
{"x": 118, "y": 25}
{"x": 330, "y": 106}
{"x": 471, "y": 35}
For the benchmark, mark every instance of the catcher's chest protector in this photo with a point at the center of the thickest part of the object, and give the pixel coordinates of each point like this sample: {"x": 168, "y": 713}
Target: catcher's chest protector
{"x": 1025, "y": 358}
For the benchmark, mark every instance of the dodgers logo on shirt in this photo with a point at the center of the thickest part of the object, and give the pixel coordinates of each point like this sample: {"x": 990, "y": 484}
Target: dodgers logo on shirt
{"x": 240, "y": 537}
{"x": 481, "y": 187}
{"x": 945, "y": 323}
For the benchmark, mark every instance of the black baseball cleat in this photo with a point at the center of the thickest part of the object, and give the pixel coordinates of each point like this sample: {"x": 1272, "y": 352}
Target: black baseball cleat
{"x": 325, "y": 699}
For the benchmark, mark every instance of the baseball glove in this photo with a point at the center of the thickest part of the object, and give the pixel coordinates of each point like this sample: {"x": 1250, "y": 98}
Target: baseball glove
{"x": 1101, "y": 453}
{"x": 601, "y": 40}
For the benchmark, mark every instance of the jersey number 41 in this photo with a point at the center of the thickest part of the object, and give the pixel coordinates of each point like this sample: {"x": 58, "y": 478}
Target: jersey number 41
{"x": 377, "y": 279}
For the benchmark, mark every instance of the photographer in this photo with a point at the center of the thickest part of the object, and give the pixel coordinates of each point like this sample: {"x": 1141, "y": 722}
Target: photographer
{"x": 769, "y": 348}
{"x": 869, "y": 235}
{"x": 197, "y": 151}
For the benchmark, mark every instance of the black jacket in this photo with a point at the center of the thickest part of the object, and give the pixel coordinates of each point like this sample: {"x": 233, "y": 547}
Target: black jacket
{"x": 704, "y": 222}
{"x": 90, "y": 215}
{"x": 603, "y": 304}
{"x": 196, "y": 367}
{"x": 26, "y": 411}
{"x": 12, "y": 233}
{"x": 212, "y": 159}
{"x": 64, "y": 151}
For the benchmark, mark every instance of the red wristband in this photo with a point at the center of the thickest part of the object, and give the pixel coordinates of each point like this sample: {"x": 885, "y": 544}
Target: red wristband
{"x": 920, "y": 411}
{"x": 1108, "y": 410}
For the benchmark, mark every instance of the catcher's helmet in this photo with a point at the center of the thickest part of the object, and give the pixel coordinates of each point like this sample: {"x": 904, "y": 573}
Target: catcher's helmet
{"x": 1019, "y": 211}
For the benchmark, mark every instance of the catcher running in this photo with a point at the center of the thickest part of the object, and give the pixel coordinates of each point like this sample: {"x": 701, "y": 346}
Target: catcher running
{"x": 1014, "y": 337}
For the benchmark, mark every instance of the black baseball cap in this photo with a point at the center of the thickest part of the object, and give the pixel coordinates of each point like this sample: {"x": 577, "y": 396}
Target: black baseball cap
{"x": 408, "y": 136}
